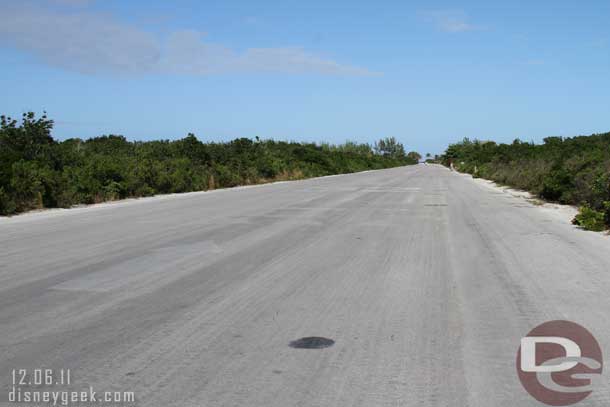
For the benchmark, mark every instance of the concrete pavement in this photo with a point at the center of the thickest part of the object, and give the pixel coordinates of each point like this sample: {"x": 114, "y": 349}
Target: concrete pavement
{"x": 424, "y": 280}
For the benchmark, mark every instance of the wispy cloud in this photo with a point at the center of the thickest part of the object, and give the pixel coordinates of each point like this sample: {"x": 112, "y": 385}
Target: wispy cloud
{"x": 82, "y": 42}
{"x": 90, "y": 42}
{"x": 452, "y": 21}
{"x": 186, "y": 52}
{"x": 72, "y": 3}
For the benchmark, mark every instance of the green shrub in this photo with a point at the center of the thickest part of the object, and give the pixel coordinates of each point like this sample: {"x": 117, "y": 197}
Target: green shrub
{"x": 7, "y": 205}
{"x": 590, "y": 219}
{"x": 557, "y": 186}
{"x": 36, "y": 171}
{"x": 606, "y": 207}
{"x": 572, "y": 171}
{"x": 27, "y": 184}
{"x": 113, "y": 191}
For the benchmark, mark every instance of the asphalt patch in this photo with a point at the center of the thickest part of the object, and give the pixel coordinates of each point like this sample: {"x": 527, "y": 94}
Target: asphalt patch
{"x": 312, "y": 342}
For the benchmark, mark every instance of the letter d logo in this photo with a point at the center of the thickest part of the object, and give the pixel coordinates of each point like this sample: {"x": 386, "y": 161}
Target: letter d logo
{"x": 528, "y": 353}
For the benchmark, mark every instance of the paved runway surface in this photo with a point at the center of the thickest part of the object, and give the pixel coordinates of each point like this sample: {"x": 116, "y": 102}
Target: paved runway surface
{"x": 425, "y": 280}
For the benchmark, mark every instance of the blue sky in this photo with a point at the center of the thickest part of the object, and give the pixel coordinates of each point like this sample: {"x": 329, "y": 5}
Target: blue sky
{"x": 428, "y": 73}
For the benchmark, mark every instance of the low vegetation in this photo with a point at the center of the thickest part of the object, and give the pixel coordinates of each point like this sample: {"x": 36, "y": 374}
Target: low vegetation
{"x": 572, "y": 171}
{"x": 37, "y": 171}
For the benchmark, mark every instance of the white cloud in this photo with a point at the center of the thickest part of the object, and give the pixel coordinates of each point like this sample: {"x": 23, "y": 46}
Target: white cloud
{"x": 97, "y": 43}
{"x": 73, "y": 3}
{"x": 83, "y": 42}
{"x": 453, "y": 21}
{"x": 186, "y": 52}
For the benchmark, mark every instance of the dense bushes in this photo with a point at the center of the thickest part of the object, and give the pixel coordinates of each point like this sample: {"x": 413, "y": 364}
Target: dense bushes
{"x": 38, "y": 172}
{"x": 590, "y": 219}
{"x": 567, "y": 170}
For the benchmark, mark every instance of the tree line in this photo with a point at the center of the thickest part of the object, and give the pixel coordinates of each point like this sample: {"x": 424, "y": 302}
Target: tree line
{"x": 573, "y": 170}
{"x": 37, "y": 171}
